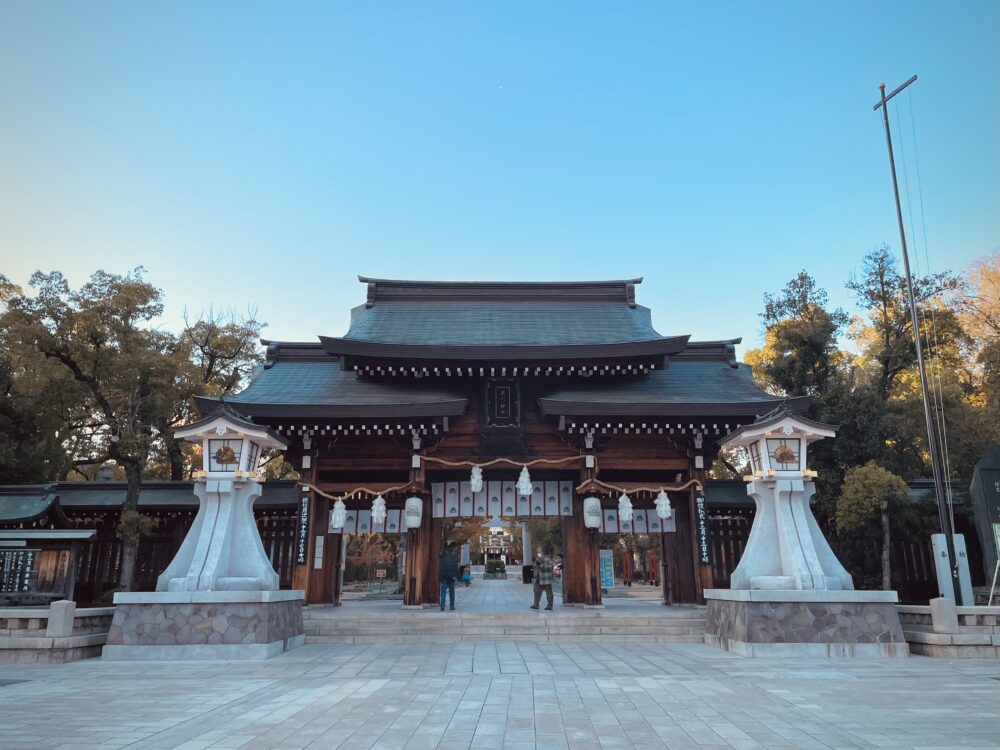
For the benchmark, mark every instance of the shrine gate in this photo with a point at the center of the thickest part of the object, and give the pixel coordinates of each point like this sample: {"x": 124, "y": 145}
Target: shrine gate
{"x": 435, "y": 379}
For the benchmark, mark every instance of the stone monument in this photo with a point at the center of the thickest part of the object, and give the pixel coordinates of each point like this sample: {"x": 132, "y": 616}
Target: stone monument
{"x": 789, "y": 594}
{"x": 219, "y": 597}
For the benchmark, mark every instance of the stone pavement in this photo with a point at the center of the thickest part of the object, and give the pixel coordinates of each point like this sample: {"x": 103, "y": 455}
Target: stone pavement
{"x": 514, "y": 596}
{"x": 491, "y": 694}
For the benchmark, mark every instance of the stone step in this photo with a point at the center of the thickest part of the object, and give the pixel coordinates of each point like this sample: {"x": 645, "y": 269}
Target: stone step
{"x": 509, "y": 619}
{"x": 502, "y": 630}
{"x": 450, "y": 638}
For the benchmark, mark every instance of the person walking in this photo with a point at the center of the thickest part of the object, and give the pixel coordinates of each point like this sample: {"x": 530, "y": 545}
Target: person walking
{"x": 627, "y": 566}
{"x": 543, "y": 578}
{"x": 447, "y": 573}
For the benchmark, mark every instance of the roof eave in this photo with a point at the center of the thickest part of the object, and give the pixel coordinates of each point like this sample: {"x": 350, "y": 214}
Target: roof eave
{"x": 449, "y": 408}
{"x": 559, "y": 407}
{"x": 538, "y": 353}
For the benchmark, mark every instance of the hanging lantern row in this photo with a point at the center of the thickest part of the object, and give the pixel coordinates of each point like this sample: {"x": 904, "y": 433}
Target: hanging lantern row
{"x": 592, "y": 509}
{"x": 413, "y": 510}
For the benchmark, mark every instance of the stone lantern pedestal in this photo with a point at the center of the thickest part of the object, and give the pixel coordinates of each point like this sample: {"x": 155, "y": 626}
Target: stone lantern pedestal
{"x": 790, "y": 595}
{"x": 804, "y": 623}
{"x": 219, "y": 597}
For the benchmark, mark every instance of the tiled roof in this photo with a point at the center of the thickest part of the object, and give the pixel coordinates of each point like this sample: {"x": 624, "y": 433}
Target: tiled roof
{"x": 495, "y": 323}
{"x": 688, "y": 387}
{"x": 506, "y": 320}
{"x": 153, "y": 493}
{"x": 317, "y": 386}
{"x": 25, "y": 503}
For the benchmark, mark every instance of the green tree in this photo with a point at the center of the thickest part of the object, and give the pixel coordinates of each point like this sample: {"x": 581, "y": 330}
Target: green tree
{"x": 40, "y": 407}
{"x": 870, "y": 491}
{"x": 104, "y": 337}
{"x": 886, "y": 339}
{"x": 800, "y": 352}
{"x": 214, "y": 356}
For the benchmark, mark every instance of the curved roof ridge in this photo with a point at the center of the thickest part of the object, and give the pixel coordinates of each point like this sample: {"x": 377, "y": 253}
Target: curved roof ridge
{"x": 440, "y": 283}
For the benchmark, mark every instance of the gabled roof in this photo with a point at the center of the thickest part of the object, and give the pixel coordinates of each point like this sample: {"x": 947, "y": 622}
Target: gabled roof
{"x": 111, "y": 494}
{"x": 224, "y": 413}
{"x": 462, "y": 320}
{"x": 784, "y": 410}
{"x": 26, "y": 502}
{"x": 317, "y": 386}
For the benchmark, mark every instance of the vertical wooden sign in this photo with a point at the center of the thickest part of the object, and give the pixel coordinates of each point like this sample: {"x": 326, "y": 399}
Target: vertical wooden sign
{"x": 302, "y": 531}
{"x": 701, "y": 525}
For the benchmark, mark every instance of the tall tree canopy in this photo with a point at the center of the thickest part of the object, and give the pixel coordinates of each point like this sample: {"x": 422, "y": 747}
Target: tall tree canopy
{"x": 868, "y": 382}
{"x": 89, "y": 377}
{"x": 800, "y": 347}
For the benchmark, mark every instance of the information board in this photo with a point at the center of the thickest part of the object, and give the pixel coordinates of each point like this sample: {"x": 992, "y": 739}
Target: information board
{"x": 17, "y": 570}
{"x": 607, "y": 569}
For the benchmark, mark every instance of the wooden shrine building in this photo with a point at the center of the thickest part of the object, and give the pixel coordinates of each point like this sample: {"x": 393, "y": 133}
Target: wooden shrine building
{"x": 569, "y": 379}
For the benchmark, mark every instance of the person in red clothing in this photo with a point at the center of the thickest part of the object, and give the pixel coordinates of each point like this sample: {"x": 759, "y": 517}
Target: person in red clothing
{"x": 627, "y": 567}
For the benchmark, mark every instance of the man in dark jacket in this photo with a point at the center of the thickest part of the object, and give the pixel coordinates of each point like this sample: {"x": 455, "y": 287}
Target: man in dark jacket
{"x": 447, "y": 573}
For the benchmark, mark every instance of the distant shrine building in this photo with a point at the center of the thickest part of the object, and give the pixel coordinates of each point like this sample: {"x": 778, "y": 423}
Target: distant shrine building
{"x": 570, "y": 378}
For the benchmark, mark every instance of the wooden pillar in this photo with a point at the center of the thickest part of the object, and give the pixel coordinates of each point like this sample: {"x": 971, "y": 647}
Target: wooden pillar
{"x": 666, "y": 571}
{"x": 413, "y": 579}
{"x": 581, "y": 556}
{"x": 305, "y": 525}
{"x": 421, "y": 543}
{"x": 331, "y": 571}
{"x": 698, "y": 505}
{"x": 679, "y": 554}
{"x": 432, "y": 589}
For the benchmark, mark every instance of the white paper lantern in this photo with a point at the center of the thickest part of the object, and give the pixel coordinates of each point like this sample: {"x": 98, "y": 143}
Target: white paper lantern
{"x": 592, "y": 512}
{"x": 413, "y": 512}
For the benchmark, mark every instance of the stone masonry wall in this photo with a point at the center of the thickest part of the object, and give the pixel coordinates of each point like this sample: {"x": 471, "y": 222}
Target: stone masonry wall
{"x": 216, "y": 623}
{"x": 804, "y": 622}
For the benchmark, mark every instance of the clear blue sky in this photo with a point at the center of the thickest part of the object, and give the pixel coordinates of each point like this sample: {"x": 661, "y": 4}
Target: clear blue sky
{"x": 265, "y": 154}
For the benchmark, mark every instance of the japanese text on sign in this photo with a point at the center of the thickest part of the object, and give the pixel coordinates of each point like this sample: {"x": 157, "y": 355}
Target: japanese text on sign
{"x": 701, "y": 513}
{"x": 17, "y": 569}
{"x": 302, "y": 538}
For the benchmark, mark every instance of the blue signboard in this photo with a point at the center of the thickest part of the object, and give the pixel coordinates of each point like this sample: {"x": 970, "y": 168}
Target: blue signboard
{"x": 607, "y": 569}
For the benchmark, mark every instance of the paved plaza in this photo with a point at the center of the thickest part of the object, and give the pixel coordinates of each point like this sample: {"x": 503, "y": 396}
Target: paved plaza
{"x": 491, "y": 694}
{"x": 513, "y": 596}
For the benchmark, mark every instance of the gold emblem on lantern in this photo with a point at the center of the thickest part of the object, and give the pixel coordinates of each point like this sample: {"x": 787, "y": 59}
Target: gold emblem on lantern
{"x": 225, "y": 455}
{"x": 784, "y": 455}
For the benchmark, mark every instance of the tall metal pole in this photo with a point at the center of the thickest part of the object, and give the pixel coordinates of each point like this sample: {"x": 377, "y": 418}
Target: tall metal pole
{"x": 932, "y": 440}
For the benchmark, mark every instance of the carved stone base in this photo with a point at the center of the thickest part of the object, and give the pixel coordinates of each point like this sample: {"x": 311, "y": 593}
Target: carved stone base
{"x": 205, "y": 625}
{"x": 804, "y": 623}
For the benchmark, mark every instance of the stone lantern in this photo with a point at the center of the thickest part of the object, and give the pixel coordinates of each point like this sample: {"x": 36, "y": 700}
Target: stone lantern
{"x": 223, "y": 550}
{"x": 219, "y": 597}
{"x": 786, "y": 549}
{"x": 790, "y": 595}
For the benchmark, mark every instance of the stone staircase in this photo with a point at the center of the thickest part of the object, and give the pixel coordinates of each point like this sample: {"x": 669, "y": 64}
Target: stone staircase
{"x": 334, "y": 625}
